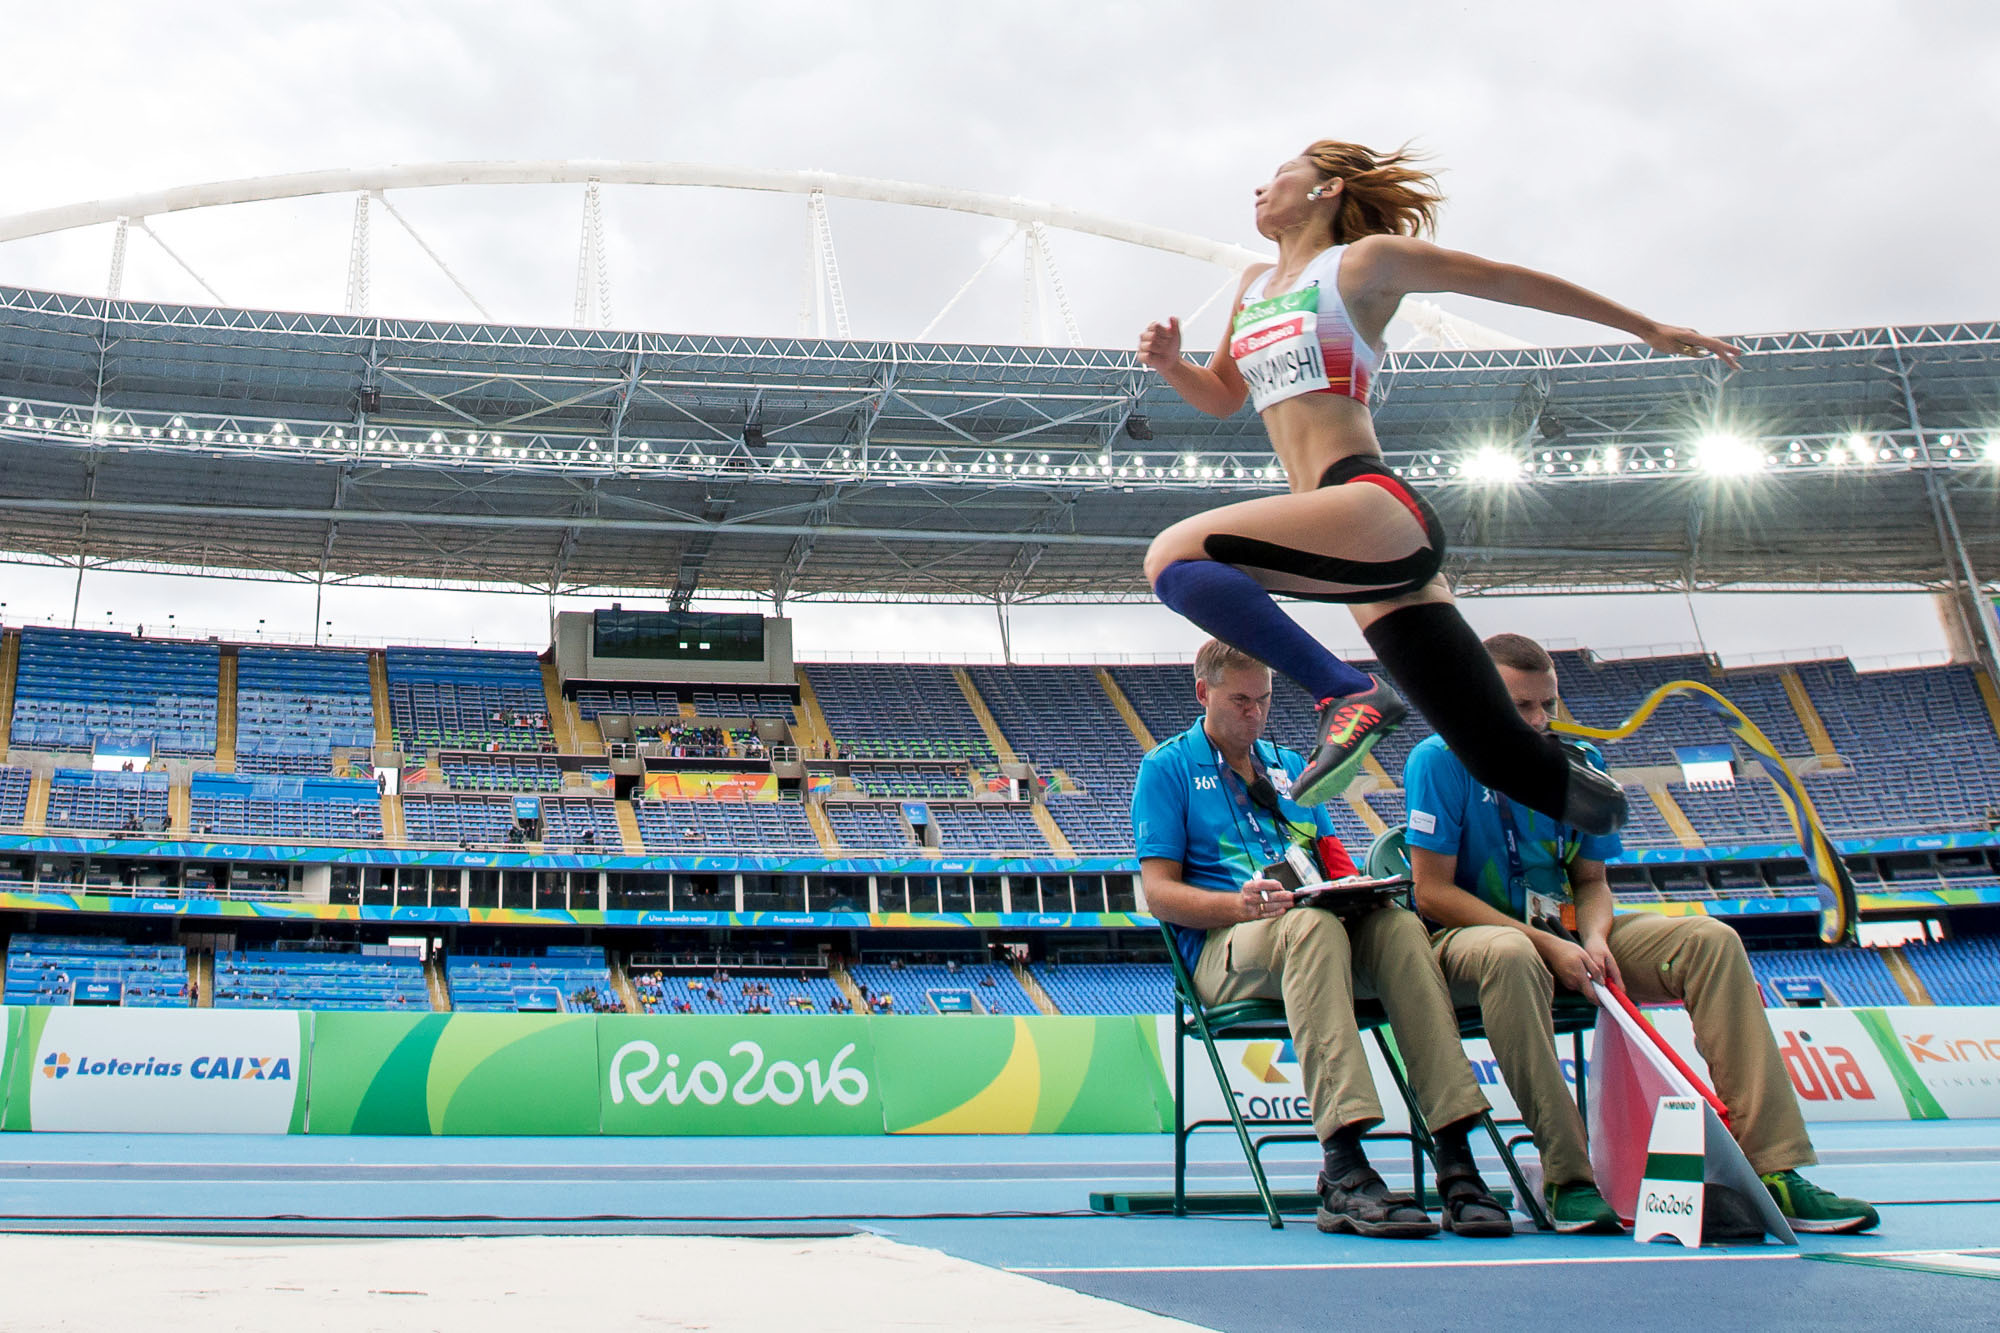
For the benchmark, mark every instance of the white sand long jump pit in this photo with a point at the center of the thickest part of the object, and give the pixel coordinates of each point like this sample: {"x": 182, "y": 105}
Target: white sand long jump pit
{"x": 544, "y": 1284}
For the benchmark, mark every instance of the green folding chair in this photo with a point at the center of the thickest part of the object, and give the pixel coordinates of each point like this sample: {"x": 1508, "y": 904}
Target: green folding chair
{"x": 1261, "y": 1020}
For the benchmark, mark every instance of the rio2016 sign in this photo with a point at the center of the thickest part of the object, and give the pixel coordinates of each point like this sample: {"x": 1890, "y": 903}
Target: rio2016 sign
{"x": 738, "y": 1076}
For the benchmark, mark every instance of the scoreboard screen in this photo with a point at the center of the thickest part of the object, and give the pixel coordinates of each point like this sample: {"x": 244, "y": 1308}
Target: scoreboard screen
{"x": 684, "y": 636}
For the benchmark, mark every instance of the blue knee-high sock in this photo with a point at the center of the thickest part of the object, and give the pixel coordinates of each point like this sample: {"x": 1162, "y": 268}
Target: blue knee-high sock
{"x": 1236, "y": 609}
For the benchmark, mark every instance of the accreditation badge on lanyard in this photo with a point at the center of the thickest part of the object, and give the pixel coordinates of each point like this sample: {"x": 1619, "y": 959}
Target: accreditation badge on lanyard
{"x": 1554, "y": 912}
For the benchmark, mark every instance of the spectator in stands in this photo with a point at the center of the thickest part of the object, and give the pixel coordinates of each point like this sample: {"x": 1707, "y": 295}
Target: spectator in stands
{"x": 1521, "y": 902}
{"x": 1210, "y": 808}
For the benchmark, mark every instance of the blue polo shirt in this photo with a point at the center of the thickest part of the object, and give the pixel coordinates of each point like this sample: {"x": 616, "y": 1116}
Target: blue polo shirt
{"x": 1190, "y": 806}
{"x": 1449, "y": 813}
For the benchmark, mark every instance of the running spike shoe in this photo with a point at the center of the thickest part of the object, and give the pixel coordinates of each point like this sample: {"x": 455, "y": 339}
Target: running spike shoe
{"x": 1349, "y": 726}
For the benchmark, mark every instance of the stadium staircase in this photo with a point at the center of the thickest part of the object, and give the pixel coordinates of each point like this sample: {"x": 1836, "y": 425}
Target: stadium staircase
{"x": 810, "y": 727}
{"x": 984, "y": 716}
{"x": 816, "y": 816}
{"x": 180, "y": 809}
{"x": 1046, "y": 822}
{"x": 1987, "y": 695}
{"x": 621, "y": 982}
{"x": 1809, "y": 719}
{"x": 628, "y": 828}
{"x": 1126, "y": 710}
{"x": 392, "y": 820}
{"x": 225, "y": 712}
{"x": 1670, "y": 810}
{"x": 1033, "y": 987}
{"x": 378, "y": 688}
{"x": 36, "y": 816}
{"x": 10, "y": 653}
{"x": 562, "y": 712}
{"x": 1906, "y": 977}
{"x": 201, "y": 976}
{"x": 435, "y": 984}
{"x": 843, "y": 979}
{"x": 1365, "y": 812}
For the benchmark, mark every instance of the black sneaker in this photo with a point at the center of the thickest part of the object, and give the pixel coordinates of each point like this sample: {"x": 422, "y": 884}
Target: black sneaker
{"x": 1349, "y": 726}
{"x": 1593, "y": 802}
{"x": 1360, "y": 1203}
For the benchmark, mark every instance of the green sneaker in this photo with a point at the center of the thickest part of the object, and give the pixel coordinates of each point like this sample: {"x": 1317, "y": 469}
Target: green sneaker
{"x": 1578, "y": 1209}
{"x": 1809, "y": 1208}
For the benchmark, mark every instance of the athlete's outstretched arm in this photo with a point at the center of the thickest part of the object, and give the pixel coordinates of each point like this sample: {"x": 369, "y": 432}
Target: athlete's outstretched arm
{"x": 1217, "y": 389}
{"x": 1395, "y": 266}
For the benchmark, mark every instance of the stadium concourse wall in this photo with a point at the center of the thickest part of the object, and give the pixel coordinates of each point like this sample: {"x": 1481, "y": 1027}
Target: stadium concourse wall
{"x": 277, "y": 1072}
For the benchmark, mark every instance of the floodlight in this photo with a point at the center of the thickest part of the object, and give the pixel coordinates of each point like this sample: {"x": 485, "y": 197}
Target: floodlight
{"x": 1725, "y": 455}
{"x": 1491, "y": 463}
{"x": 1992, "y": 450}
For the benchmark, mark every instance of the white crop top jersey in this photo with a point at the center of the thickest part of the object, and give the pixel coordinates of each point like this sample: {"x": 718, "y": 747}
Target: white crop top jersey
{"x": 1301, "y": 341}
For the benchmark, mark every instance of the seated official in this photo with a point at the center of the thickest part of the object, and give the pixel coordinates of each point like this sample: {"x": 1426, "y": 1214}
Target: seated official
{"x": 1211, "y": 808}
{"x": 1522, "y": 902}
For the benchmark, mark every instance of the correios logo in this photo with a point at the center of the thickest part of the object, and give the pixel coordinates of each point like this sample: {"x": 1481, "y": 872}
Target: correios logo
{"x": 1262, "y": 1059}
{"x": 261, "y": 1067}
{"x": 780, "y": 1081}
{"x": 1823, "y": 1073}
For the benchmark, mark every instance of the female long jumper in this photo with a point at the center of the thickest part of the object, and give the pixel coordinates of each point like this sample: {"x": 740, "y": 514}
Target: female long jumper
{"x": 1304, "y": 344}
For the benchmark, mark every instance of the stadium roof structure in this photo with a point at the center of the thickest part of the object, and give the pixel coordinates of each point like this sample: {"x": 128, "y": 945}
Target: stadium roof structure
{"x": 337, "y": 448}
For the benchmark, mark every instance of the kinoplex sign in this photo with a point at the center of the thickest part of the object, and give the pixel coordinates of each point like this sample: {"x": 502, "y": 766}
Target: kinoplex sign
{"x": 172, "y": 1071}
{"x": 1953, "y": 1054}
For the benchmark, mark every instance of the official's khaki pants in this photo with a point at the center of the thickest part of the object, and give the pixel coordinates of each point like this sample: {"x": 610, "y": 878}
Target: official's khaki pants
{"x": 1316, "y": 963}
{"x": 1694, "y": 959}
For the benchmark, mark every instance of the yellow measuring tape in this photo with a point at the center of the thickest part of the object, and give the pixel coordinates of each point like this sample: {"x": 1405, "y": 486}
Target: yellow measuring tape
{"x": 1837, "y": 911}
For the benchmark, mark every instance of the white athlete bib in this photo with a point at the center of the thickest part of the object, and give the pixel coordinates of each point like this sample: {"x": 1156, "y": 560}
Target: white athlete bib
{"x": 1276, "y": 347}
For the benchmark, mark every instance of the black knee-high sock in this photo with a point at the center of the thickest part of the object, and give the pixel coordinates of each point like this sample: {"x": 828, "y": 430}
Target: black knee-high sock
{"x": 1440, "y": 665}
{"x": 1343, "y": 1152}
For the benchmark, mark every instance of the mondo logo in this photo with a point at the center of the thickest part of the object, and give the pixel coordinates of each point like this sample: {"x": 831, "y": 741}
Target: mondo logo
{"x": 56, "y": 1064}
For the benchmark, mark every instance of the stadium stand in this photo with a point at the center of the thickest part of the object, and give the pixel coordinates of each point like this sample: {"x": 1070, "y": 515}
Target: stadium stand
{"x": 681, "y": 991}
{"x": 898, "y": 710}
{"x": 1922, "y": 744}
{"x": 656, "y": 702}
{"x": 725, "y": 826}
{"x": 369, "y": 977}
{"x": 1964, "y": 970}
{"x": 74, "y": 687}
{"x": 581, "y": 821}
{"x": 912, "y": 782}
{"x": 79, "y": 798}
{"x": 909, "y": 984}
{"x": 866, "y": 824}
{"x": 988, "y": 826}
{"x": 727, "y": 703}
{"x": 294, "y": 706}
{"x": 1853, "y": 977}
{"x": 500, "y": 772}
{"x": 504, "y": 983}
{"x": 455, "y": 819}
{"x": 323, "y": 809}
{"x": 42, "y": 969}
{"x": 468, "y": 699}
{"x": 1107, "y": 988}
{"x": 1061, "y": 716}
{"x": 14, "y": 784}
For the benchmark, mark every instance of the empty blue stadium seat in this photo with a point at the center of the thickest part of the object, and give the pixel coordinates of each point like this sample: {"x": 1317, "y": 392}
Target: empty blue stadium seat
{"x": 42, "y": 969}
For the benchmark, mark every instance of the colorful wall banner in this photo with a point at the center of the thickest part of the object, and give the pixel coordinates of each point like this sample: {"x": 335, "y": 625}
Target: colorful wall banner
{"x": 718, "y": 1074}
{"x": 684, "y": 786}
{"x": 598, "y": 780}
{"x": 997, "y": 1075}
{"x": 165, "y": 1071}
{"x": 387, "y": 1073}
{"x": 273, "y": 1072}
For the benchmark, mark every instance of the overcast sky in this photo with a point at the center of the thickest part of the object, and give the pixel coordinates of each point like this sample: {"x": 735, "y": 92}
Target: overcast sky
{"x": 1737, "y": 167}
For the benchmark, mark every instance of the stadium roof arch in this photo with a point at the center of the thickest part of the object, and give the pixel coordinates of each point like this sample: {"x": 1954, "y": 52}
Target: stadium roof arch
{"x": 365, "y": 449}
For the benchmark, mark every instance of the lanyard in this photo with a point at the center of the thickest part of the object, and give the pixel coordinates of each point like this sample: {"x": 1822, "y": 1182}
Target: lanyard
{"x": 1517, "y": 874}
